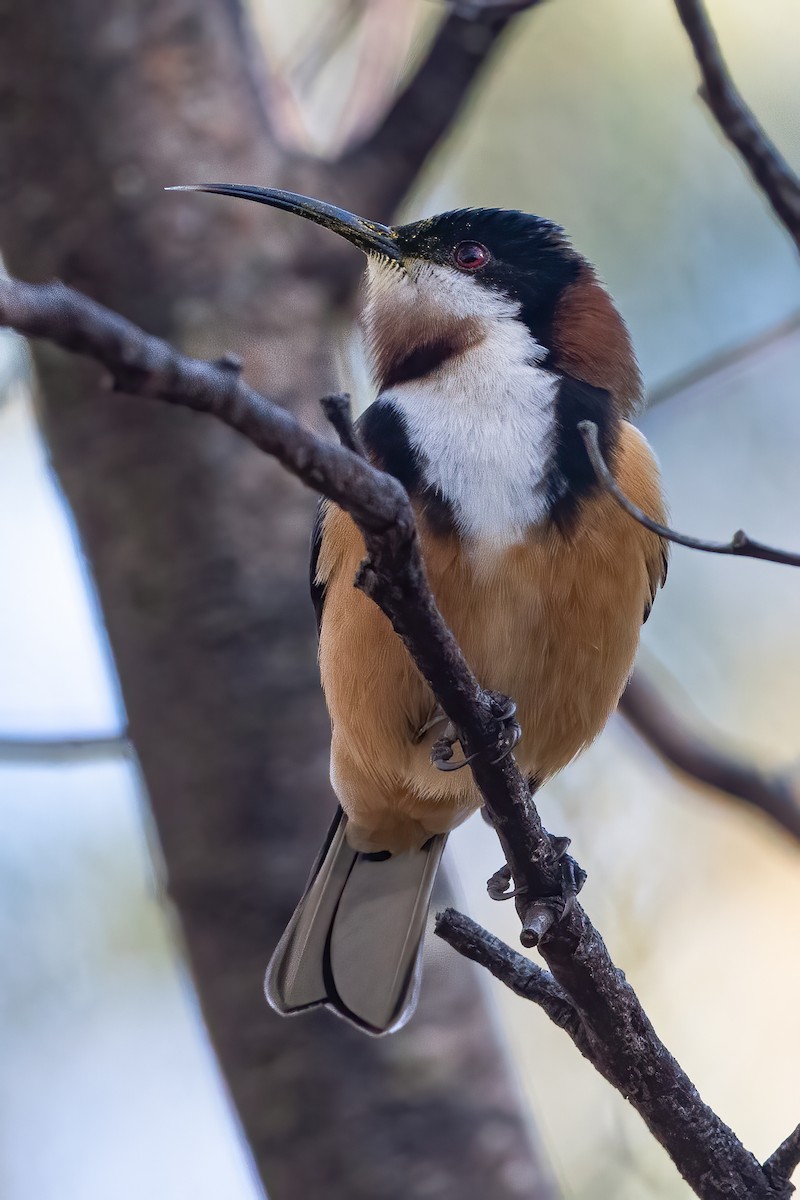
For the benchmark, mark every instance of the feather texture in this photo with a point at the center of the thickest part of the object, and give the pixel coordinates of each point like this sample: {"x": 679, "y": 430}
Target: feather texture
{"x": 552, "y": 621}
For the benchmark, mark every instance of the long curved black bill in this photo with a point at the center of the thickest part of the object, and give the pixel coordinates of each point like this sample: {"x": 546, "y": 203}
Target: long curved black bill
{"x": 369, "y": 236}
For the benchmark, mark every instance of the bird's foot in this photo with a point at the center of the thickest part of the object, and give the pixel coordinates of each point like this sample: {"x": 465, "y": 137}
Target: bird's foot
{"x": 499, "y": 885}
{"x": 545, "y": 911}
{"x": 504, "y": 710}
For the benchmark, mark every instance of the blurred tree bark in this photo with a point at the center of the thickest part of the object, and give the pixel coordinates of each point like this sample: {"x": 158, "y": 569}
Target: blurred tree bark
{"x": 198, "y": 549}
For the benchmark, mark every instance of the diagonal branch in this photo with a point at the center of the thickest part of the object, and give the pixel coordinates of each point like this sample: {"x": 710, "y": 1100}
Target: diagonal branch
{"x": 766, "y": 164}
{"x": 783, "y": 1162}
{"x": 740, "y": 544}
{"x": 625, "y": 1046}
{"x": 517, "y": 972}
{"x": 679, "y": 744}
{"x": 388, "y": 162}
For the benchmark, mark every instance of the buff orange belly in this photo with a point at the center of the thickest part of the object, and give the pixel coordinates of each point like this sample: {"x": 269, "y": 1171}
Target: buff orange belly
{"x": 553, "y": 622}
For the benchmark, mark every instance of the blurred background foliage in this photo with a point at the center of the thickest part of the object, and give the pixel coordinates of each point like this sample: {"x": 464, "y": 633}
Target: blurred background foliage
{"x": 589, "y": 115}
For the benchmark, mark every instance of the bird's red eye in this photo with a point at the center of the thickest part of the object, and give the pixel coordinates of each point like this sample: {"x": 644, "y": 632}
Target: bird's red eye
{"x": 470, "y": 256}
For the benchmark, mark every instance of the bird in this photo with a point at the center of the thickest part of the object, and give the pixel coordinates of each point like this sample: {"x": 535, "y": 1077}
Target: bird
{"x": 490, "y": 339}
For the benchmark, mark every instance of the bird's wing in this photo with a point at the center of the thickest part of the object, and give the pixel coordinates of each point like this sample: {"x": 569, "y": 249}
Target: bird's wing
{"x": 317, "y": 585}
{"x": 637, "y": 473}
{"x": 657, "y": 567}
{"x": 385, "y": 450}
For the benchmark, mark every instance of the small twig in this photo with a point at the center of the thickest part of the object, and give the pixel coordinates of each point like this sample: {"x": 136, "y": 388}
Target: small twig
{"x": 518, "y": 973}
{"x": 783, "y": 1162}
{"x": 340, "y": 414}
{"x": 677, "y": 741}
{"x": 765, "y": 162}
{"x": 740, "y": 545}
{"x": 53, "y": 751}
{"x": 230, "y": 362}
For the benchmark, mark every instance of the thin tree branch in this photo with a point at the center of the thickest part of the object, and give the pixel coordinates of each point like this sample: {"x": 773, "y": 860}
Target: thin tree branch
{"x": 517, "y": 972}
{"x": 528, "y": 980}
{"x": 339, "y": 414}
{"x": 626, "y": 1047}
{"x": 56, "y": 751}
{"x": 389, "y": 161}
{"x": 766, "y": 164}
{"x": 782, "y": 1164}
{"x": 731, "y": 358}
{"x": 677, "y": 741}
{"x": 740, "y": 544}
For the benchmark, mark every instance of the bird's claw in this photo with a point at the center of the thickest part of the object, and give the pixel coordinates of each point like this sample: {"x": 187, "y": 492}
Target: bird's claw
{"x": 499, "y": 884}
{"x": 503, "y": 707}
{"x": 514, "y": 734}
{"x": 573, "y": 877}
{"x": 546, "y": 911}
{"x": 504, "y": 710}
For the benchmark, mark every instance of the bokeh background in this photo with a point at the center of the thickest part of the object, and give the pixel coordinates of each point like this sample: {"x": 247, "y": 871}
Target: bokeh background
{"x": 108, "y": 1087}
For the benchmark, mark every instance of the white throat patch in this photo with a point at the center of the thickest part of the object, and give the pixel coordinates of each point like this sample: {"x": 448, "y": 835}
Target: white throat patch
{"x": 484, "y": 421}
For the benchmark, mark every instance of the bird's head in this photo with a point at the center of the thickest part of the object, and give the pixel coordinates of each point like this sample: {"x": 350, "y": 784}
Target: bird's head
{"x": 438, "y": 286}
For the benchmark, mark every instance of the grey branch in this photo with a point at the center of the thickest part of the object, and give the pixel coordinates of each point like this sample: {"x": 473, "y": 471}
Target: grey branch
{"x": 764, "y": 161}
{"x": 625, "y": 1047}
{"x": 56, "y": 751}
{"x": 740, "y": 545}
{"x": 337, "y": 410}
{"x": 781, "y": 1165}
{"x": 679, "y": 744}
{"x": 389, "y": 160}
{"x": 528, "y": 980}
{"x": 517, "y": 972}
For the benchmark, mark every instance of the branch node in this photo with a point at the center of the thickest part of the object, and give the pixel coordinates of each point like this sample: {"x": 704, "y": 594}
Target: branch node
{"x": 338, "y": 410}
{"x": 783, "y": 1162}
{"x": 229, "y": 362}
{"x": 540, "y": 919}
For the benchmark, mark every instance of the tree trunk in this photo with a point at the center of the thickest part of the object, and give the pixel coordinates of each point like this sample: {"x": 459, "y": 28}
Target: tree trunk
{"x": 198, "y": 548}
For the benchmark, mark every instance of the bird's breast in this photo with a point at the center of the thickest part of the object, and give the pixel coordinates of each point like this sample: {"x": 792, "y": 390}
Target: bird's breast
{"x": 475, "y": 439}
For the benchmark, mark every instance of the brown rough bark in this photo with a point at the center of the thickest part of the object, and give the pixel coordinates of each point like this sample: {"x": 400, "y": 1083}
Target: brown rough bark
{"x": 198, "y": 548}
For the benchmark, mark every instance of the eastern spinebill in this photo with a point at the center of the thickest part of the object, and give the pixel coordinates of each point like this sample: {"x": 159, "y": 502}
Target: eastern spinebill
{"x": 490, "y": 339}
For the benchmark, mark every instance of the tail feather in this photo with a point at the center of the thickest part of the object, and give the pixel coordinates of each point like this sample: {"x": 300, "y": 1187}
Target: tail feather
{"x": 354, "y": 942}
